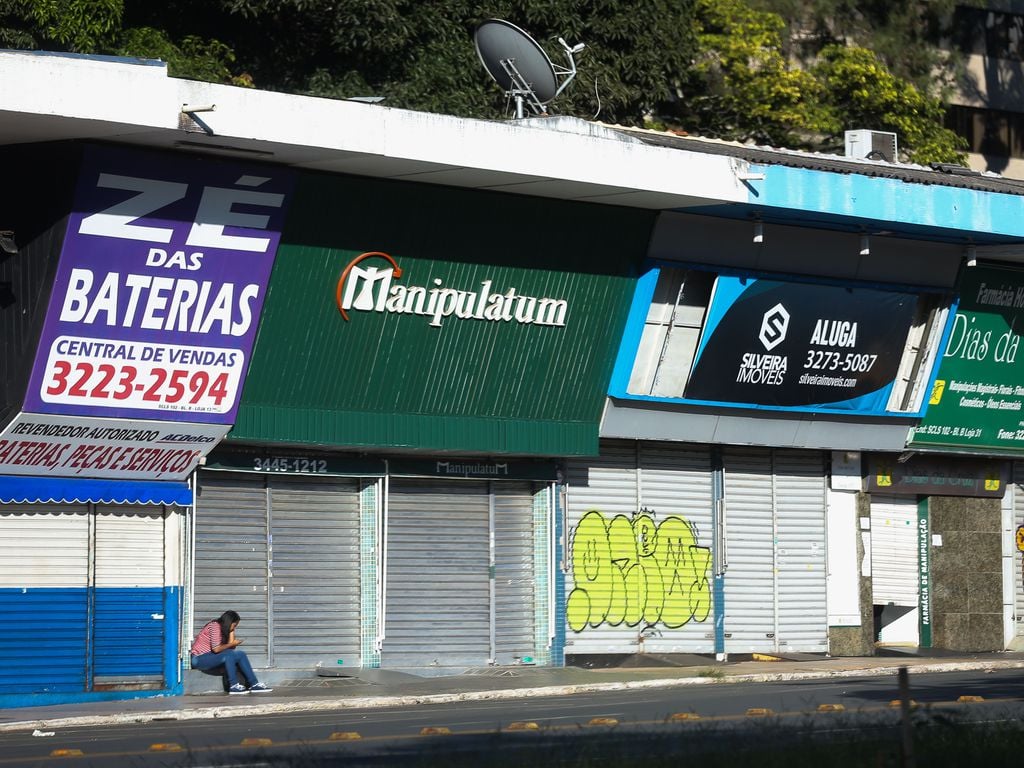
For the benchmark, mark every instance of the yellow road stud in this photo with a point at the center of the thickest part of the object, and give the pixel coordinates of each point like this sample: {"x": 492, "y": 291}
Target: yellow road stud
{"x": 831, "y": 708}
{"x": 680, "y": 716}
{"x": 252, "y": 741}
{"x": 345, "y": 736}
{"x": 895, "y": 703}
{"x": 603, "y": 721}
{"x": 970, "y": 699}
{"x": 432, "y": 730}
{"x": 523, "y": 726}
{"x": 66, "y": 753}
{"x": 759, "y": 712}
{"x": 166, "y": 747}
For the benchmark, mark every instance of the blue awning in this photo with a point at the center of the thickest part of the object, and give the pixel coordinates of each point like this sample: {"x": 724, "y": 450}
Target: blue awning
{"x": 65, "y": 490}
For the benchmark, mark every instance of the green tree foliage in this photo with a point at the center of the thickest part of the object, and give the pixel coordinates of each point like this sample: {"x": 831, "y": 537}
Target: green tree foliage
{"x": 719, "y": 68}
{"x": 73, "y": 25}
{"x": 860, "y": 91}
{"x": 420, "y": 55}
{"x": 906, "y": 36}
{"x": 741, "y": 85}
{"x": 194, "y": 58}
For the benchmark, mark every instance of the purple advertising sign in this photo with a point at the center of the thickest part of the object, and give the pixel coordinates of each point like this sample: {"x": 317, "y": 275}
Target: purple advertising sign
{"x": 159, "y": 288}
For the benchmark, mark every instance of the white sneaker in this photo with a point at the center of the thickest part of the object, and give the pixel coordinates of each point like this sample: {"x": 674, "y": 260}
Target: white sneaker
{"x": 237, "y": 689}
{"x": 259, "y": 688}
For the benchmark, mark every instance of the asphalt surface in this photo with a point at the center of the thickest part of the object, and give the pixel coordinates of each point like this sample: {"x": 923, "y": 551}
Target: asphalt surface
{"x": 382, "y": 689}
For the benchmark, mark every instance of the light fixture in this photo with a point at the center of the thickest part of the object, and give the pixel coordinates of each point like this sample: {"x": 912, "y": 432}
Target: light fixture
{"x": 758, "y": 231}
{"x": 7, "y": 243}
{"x": 865, "y": 245}
{"x": 970, "y": 256}
{"x": 189, "y": 118}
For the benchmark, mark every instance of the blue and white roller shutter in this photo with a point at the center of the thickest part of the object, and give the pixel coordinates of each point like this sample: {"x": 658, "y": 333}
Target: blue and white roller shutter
{"x": 800, "y": 515}
{"x": 130, "y": 620}
{"x": 44, "y": 596}
{"x": 750, "y": 586}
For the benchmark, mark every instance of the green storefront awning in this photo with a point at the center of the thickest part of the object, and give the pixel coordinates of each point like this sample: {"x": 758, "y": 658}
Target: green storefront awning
{"x": 410, "y": 316}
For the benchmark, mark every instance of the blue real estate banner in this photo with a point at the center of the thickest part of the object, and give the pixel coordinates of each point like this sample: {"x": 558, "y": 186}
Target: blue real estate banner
{"x": 800, "y": 345}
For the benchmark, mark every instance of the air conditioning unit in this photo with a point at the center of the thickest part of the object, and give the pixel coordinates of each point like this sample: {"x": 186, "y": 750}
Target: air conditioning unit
{"x": 872, "y": 145}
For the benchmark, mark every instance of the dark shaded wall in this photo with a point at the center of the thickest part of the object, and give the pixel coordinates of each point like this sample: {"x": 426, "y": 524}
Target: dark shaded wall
{"x": 967, "y": 601}
{"x": 857, "y": 641}
{"x": 39, "y": 180}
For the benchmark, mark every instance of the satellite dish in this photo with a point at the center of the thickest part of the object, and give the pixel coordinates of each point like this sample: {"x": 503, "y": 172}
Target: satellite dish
{"x": 521, "y": 67}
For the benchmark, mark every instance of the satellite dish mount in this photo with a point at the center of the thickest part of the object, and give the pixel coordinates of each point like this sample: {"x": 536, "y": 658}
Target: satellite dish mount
{"x": 521, "y": 67}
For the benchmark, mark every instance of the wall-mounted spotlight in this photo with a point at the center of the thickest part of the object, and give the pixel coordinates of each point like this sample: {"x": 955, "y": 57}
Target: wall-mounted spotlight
{"x": 758, "y": 232}
{"x": 970, "y": 256}
{"x": 7, "y": 242}
{"x": 865, "y": 245}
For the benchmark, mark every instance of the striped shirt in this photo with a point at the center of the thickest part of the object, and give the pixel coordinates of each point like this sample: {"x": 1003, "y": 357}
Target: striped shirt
{"x": 209, "y": 637}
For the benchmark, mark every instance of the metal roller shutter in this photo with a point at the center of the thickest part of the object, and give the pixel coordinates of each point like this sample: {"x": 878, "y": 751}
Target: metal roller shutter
{"x": 129, "y": 621}
{"x": 800, "y": 513}
{"x": 775, "y": 583}
{"x": 599, "y": 490}
{"x": 231, "y": 557}
{"x": 315, "y": 572}
{"x": 514, "y": 576}
{"x": 675, "y": 485}
{"x": 44, "y": 580}
{"x": 1015, "y": 499}
{"x": 438, "y": 604}
{"x": 894, "y": 567}
{"x": 635, "y": 584}
{"x": 750, "y": 598}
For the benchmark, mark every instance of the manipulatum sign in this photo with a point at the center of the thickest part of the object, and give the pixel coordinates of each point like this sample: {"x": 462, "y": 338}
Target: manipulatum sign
{"x": 372, "y": 289}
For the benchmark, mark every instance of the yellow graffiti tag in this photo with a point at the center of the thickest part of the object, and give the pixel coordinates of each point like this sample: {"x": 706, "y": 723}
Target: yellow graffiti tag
{"x": 633, "y": 570}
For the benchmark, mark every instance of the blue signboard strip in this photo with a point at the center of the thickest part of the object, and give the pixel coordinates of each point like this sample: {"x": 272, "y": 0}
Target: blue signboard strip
{"x": 56, "y": 490}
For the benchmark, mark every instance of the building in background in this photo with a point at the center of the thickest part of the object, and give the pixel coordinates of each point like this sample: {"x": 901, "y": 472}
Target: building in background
{"x": 987, "y": 107}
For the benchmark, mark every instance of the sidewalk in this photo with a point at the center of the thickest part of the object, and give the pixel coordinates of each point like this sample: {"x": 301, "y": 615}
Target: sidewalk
{"x": 390, "y": 689}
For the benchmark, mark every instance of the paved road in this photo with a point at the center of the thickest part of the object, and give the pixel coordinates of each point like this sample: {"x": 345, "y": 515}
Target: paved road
{"x": 484, "y": 725}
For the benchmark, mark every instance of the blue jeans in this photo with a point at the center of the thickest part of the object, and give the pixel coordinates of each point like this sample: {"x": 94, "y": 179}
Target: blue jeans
{"x": 234, "y": 661}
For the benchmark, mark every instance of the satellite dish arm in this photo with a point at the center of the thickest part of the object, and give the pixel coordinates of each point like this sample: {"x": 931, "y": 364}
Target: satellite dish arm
{"x": 569, "y": 73}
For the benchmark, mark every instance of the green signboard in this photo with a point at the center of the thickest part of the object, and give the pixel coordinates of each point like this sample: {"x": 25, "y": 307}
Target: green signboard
{"x": 978, "y": 398}
{"x": 924, "y": 544}
{"x": 406, "y": 316}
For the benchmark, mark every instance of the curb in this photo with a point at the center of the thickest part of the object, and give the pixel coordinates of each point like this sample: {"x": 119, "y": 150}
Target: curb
{"x": 376, "y": 702}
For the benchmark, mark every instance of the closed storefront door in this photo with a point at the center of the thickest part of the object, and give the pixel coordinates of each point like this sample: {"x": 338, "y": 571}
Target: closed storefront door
{"x": 44, "y": 595}
{"x": 775, "y": 576}
{"x": 639, "y": 550}
{"x": 130, "y": 607}
{"x": 1014, "y": 499}
{"x": 87, "y": 586}
{"x": 451, "y": 598}
{"x": 284, "y": 553}
{"x": 894, "y": 569}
